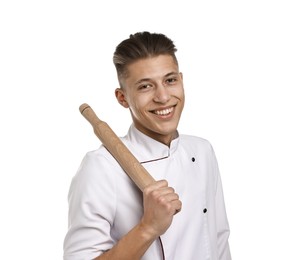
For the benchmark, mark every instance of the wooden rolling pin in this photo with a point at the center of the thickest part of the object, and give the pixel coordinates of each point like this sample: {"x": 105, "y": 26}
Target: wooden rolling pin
{"x": 116, "y": 147}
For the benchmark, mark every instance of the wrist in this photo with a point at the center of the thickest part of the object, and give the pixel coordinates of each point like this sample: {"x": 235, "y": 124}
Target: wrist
{"x": 147, "y": 232}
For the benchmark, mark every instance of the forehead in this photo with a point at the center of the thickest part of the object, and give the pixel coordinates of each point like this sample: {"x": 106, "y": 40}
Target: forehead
{"x": 153, "y": 67}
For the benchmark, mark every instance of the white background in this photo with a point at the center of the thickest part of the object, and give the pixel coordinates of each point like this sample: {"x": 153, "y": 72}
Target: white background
{"x": 237, "y": 61}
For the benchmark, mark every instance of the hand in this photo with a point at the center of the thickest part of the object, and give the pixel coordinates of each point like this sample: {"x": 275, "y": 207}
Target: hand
{"x": 160, "y": 204}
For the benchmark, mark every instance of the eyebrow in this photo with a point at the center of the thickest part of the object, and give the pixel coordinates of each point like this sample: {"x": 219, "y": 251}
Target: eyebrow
{"x": 149, "y": 79}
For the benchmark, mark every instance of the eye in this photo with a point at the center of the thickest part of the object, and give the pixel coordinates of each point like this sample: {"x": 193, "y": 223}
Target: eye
{"x": 143, "y": 87}
{"x": 171, "y": 81}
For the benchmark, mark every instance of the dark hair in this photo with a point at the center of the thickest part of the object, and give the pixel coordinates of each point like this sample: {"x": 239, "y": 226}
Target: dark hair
{"x": 139, "y": 46}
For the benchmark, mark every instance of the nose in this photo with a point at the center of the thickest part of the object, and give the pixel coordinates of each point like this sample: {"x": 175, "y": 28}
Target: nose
{"x": 162, "y": 94}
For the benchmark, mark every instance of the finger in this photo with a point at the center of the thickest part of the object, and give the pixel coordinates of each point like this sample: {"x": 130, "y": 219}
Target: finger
{"x": 155, "y": 186}
{"x": 173, "y": 206}
{"x": 177, "y": 205}
{"x": 170, "y": 201}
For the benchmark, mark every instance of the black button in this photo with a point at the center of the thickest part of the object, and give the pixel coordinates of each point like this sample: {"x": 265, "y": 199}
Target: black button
{"x": 193, "y": 159}
{"x": 205, "y": 210}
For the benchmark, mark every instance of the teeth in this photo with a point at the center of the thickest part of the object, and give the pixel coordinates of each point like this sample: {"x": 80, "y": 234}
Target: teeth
{"x": 164, "y": 112}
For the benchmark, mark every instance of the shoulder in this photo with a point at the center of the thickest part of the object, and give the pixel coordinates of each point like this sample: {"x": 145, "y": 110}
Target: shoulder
{"x": 99, "y": 156}
{"x": 95, "y": 166}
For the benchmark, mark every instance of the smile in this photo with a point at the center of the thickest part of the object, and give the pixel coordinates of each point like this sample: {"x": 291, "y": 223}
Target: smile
{"x": 163, "y": 112}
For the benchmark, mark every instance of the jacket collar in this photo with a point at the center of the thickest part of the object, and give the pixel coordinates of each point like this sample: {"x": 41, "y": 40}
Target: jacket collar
{"x": 146, "y": 149}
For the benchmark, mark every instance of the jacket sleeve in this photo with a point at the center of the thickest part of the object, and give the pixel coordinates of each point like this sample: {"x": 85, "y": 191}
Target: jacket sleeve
{"x": 222, "y": 225}
{"x": 92, "y": 203}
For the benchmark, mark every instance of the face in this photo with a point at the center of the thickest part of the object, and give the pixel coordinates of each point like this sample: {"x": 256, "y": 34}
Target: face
{"x": 153, "y": 91}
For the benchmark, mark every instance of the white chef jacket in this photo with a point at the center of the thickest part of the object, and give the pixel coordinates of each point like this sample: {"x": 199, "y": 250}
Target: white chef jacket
{"x": 104, "y": 204}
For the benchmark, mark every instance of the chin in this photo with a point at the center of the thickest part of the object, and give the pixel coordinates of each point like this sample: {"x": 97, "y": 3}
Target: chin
{"x": 167, "y": 130}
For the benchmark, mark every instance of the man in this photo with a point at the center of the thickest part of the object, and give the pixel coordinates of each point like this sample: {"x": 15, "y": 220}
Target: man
{"x": 182, "y": 215}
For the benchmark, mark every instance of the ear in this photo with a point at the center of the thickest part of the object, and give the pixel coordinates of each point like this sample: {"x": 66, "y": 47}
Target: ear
{"x": 181, "y": 75}
{"x": 120, "y": 96}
